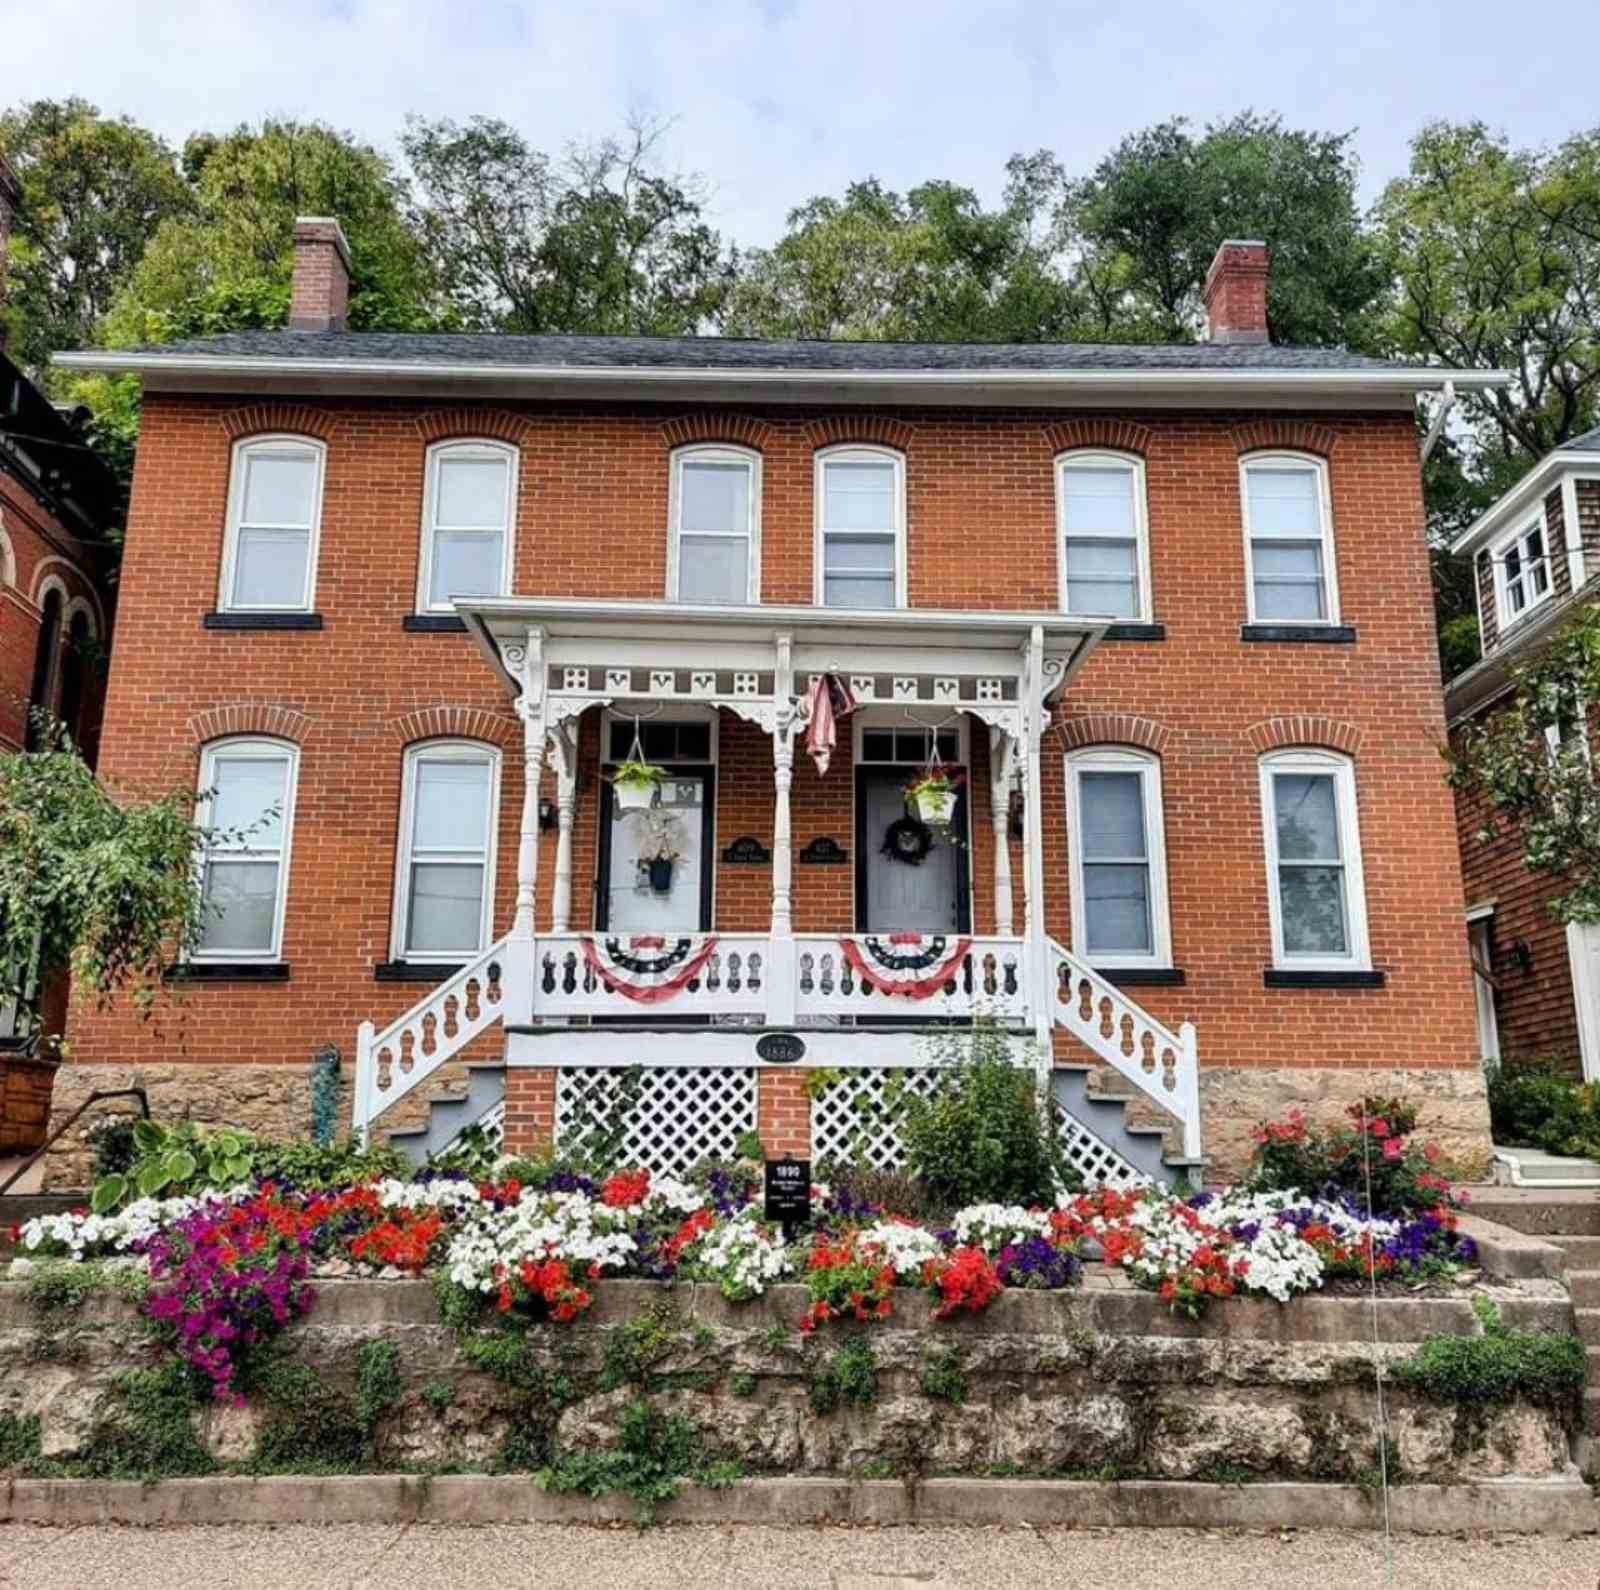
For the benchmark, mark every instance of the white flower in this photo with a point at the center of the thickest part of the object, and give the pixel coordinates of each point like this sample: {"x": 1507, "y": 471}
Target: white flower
{"x": 569, "y": 1226}
{"x": 905, "y": 1247}
{"x": 992, "y": 1226}
{"x": 742, "y": 1255}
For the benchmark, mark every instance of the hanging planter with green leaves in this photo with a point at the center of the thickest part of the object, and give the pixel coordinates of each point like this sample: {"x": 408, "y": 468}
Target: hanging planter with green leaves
{"x": 635, "y": 784}
{"x": 931, "y": 796}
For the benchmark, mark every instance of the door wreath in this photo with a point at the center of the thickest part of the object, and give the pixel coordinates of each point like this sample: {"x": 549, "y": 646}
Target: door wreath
{"x": 907, "y": 840}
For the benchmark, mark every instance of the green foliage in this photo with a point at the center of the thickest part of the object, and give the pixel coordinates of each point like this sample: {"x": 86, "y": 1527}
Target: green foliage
{"x": 145, "y": 1428}
{"x": 594, "y": 1135}
{"x": 654, "y": 1454}
{"x": 1548, "y": 795}
{"x": 94, "y": 191}
{"x": 1541, "y": 1104}
{"x": 1500, "y": 1366}
{"x": 944, "y": 1375}
{"x": 849, "y": 1374}
{"x": 600, "y": 240}
{"x": 743, "y": 1384}
{"x": 440, "y": 1395}
{"x": 378, "y": 1385}
{"x": 983, "y": 1135}
{"x": 325, "y": 1095}
{"x": 310, "y": 1427}
{"x": 104, "y": 887}
{"x": 633, "y": 1350}
{"x": 19, "y": 1440}
{"x": 475, "y": 1152}
{"x": 111, "y": 1138}
{"x": 58, "y": 1288}
{"x": 895, "y": 1192}
{"x": 314, "y": 1166}
{"x": 172, "y": 1161}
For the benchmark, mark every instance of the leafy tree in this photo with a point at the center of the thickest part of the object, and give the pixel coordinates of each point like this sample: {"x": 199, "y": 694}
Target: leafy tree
{"x": 104, "y": 887}
{"x": 1496, "y": 252}
{"x": 1544, "y": 785}
{"x": 599, "y": 241}
{"x": 94, "y": 191}
{"x": 1146, "y": 224}
{"x": 930, "y": 265}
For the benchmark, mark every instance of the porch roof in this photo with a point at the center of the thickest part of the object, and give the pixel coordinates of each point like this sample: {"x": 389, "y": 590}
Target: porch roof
{"x": 956, "y": 656}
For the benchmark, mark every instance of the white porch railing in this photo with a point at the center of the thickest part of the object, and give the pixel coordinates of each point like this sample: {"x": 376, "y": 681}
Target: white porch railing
{"x": 389, "y": 1064}
{"x": 1161, "y": 1063}
{"x": 731, "y": 982}
{"x": 990, "y": 979}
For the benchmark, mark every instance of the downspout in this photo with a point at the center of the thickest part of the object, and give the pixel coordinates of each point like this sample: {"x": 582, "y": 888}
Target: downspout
{"x": 1436, "y": 430}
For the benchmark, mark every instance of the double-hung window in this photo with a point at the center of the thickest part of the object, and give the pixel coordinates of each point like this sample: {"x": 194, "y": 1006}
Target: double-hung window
{"x": 1315, "y": 891}
{"x": 1522, "y": 572}
{"x": 1118, "y": 852}
{"x": 715, "y": 508}
{"x": 1104, "y": 548}
{"x": 1289, "y": 540}
{"x": 247, "y": 806}
{"x": 269, "y": 558}
{"x": 468, "y": 511}
{"x": 444, "y": 896}
{"x": 860, "y": 541}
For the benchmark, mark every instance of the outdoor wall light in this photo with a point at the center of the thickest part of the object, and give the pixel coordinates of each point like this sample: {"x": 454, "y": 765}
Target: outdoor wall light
{"x": 1523, "y": 951}
{"x": 547, "y": 812}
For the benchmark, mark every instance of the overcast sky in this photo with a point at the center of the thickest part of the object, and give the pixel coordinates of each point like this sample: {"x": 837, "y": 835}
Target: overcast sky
{"x": 777, "y": 100}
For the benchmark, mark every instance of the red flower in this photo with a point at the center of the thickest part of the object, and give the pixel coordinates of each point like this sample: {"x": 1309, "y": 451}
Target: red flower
{"x": 625, "y": 1188}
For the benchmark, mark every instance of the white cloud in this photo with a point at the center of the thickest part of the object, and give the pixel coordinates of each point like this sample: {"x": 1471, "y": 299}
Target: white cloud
{"x": 776, "y": 100}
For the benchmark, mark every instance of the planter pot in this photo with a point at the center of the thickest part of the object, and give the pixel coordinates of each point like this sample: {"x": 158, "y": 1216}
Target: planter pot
{"x": 660, "y": 875}
{"x": 634, "y": 797}
{"x": 934, "y": 806}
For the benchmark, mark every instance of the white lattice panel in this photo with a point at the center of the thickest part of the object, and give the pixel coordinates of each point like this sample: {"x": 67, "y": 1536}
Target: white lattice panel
{"x": 836, "y": 1117}
{"x": 683, "y": 1114}
{"x": 1093, "y": 1157}
{"x": 493, "y": 1122}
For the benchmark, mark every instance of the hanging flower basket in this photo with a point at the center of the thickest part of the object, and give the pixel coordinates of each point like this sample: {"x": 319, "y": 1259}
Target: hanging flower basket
{"x": 634, "y": 785}
{"x": 932, "y": 797}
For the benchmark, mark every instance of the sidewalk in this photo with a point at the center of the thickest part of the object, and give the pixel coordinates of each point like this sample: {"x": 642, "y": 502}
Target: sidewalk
{"x": 376, "y": 1557}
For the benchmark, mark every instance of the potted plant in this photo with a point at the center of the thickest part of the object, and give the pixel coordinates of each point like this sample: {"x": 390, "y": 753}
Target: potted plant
{"x": 932, "y": 796}
{"x": 659, "y": 851}
{"x": 635, "y": 784}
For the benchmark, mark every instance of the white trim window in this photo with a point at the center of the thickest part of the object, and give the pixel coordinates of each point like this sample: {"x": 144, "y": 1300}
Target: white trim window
{"x": 859, "y": 549}
{"x": 1521, "y": 563}
{"x": 1102, "y": 539}
{"x": 469, "y": 501}
{"x": 449, "y": 811}
{"x": 1315, "y": 891}
{"x": 247, "y": 791}
{"x": 269, "y": 548}
{"x": 1288, "y": 539}
{"x": 1118, "y": 856}
{"x": 714, "y": 514}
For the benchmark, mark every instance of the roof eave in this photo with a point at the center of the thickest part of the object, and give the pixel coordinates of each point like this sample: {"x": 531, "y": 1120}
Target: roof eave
{"x": 1532, "y": 487}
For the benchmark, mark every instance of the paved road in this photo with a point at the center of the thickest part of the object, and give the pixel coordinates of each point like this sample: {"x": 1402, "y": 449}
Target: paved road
{"x": 375, "y": 1557}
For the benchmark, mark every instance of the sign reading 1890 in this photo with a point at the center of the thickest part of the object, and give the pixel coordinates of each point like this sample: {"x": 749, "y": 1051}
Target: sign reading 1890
{"x": 788, "y": 1191}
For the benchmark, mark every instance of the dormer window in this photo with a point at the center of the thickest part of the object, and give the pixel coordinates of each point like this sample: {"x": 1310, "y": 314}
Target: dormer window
{"x": 713, "y": 552}
{"x": 1522, "y": 572}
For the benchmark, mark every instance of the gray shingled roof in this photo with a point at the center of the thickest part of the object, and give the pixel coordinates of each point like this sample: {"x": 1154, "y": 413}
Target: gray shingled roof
{"x": 1589, "y": 442}
{"x": 735, "y": 353}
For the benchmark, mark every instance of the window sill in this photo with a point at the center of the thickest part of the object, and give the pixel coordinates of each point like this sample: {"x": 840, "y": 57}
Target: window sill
{"x": 1312, "y": 634}
{"x": 1144, "y": 976}
{"x": 434, "y": 624}
{"x": 262, "y": 621}
{"x": 1272, "y": 978}
{"x": 415, "y": 971}
{"x": 229, "y": 972}
{"x": 1129, "y": 631}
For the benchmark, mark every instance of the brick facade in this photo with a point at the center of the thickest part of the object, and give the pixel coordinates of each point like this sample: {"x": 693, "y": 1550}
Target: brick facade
{"x": 591, "y": 521}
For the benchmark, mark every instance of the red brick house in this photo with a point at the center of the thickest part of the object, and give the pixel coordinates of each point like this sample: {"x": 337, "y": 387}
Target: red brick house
{"x": 1536, "y": 554}
{"x": 1167, "y": 609}
{"x": 58, "y": 501}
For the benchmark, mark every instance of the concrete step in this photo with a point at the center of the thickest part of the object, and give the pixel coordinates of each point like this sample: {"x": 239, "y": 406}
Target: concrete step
{"x": 1586, "y": 1326}
{"x": 1584, "y": 1285}
{"x": 1581, "y": 1253}
{"x": 452, "y": 1112}
{"x": 1558, "y": 1212}
{"x": 1591, "y": 1408}
{"x": 1075, "y": 1091}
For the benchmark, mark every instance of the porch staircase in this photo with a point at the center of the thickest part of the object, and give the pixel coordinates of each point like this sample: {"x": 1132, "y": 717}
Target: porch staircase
{"x": 1129, "y": 1115}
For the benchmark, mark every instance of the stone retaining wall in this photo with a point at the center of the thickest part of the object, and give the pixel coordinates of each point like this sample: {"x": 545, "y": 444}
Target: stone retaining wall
{"x": 1100, "y": 1383}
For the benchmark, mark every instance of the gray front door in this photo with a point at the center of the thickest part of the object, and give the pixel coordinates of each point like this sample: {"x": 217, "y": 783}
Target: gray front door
{"x": 894, "y": 894}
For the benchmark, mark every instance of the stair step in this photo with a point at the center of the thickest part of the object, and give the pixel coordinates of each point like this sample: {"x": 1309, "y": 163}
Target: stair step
{"x": 1559, "y": 1212}
{"x": 1586, "y": 1324}
{"x": 1584, "y": 1285}
{"x": 1582, "y": 1253}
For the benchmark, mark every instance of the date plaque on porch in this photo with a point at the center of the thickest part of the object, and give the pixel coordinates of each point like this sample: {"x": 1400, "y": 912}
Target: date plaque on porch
{"x": 747, "y": 852}
{"x": 780, "y": 1048}
{"x": 788, "y": 1192}
{"x": 824, "y": 852}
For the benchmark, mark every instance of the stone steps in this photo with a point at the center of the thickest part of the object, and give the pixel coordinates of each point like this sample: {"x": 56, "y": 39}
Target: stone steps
{"x": 1558, "y": 1212}
{"x": 1584, "y": 1285}
{"x": 1582, "y": 1253}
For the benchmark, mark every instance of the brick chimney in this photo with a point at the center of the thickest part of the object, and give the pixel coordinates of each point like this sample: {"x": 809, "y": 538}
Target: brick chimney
{"x": 10, "y": 205}
{"x": 321, "y": 289}
{"x": 1236, "y": 292}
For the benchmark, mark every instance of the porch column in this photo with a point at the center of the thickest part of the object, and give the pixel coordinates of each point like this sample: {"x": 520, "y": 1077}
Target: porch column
{"x": 564, "y": 739}
{"x": 1000, "y": 765}
{"x": 1038, "y": 949}
{"x": 531, "y": 709}
{"x": 781, "y": 960}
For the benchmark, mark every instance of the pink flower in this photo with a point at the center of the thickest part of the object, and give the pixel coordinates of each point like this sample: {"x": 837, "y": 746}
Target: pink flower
{"x": 1392, "y": 1149}
{"x": 1380, "y": 1128}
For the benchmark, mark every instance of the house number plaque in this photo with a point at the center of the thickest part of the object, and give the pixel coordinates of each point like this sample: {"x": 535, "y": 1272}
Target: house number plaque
{"x": 747, "y": 852}
{"x": 780, "y": 1048}
{"x": 824, "y": 852}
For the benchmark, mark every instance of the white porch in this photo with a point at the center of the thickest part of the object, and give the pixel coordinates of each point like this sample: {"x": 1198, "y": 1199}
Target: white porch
{"x": 559, "y": 989}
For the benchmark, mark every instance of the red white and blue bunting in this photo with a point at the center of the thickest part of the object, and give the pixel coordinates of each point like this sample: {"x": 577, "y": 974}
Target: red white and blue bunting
{"x": 912, "y": 965}
{"x": 647, "y": 969}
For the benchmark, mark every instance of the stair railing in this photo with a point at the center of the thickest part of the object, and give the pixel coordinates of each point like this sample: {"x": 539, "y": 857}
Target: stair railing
{"x": 390, "y": 1063}
{"x": 1162, "y": 1064}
